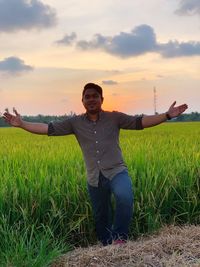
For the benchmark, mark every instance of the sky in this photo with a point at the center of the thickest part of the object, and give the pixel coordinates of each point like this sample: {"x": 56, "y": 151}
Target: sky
{"x": 49, "y": 49}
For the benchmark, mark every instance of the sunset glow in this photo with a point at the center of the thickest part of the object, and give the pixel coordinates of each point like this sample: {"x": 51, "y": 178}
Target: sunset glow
{"x": 128, "y": 48}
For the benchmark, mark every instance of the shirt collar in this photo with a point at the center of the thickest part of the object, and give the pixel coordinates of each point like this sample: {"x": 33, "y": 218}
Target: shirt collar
{"x": 101, "y": 114}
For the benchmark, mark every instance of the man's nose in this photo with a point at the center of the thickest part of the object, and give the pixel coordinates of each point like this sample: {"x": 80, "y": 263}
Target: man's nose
{"x": 91, "y": 98}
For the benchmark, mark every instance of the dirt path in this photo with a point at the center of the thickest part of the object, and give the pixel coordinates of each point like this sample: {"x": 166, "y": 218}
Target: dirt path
{"x": 172, "y": 246}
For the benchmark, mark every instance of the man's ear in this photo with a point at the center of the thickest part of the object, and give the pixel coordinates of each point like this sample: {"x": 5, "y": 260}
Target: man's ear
{"x": 102, "y": 99}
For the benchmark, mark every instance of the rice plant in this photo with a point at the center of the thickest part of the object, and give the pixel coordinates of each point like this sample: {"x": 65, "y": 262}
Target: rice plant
{"x": 43, "y": 194}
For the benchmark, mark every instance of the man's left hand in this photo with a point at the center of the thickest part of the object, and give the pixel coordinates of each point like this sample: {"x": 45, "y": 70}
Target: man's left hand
{"x": 176, "y": 111}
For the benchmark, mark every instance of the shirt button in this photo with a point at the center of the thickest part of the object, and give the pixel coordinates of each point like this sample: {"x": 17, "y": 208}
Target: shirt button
{"x": 97, "y": 151}
{"x": 95, "y": 132}
{"x": 98, "y": 161}
{"x": 96, "y": 142}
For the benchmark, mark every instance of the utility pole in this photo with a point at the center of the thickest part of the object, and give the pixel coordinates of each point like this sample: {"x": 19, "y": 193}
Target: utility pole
{"x": 155, "y": 100}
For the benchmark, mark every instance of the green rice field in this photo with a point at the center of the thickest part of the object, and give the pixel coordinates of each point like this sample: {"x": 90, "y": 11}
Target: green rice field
{"x": 44, "y": 205}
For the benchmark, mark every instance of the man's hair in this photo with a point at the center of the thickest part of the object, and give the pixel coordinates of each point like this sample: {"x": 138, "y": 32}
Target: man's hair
{"x": 93, "y": 86}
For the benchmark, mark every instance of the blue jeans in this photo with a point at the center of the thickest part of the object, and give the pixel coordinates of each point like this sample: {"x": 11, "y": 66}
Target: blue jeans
{"x": 121, "y": 187}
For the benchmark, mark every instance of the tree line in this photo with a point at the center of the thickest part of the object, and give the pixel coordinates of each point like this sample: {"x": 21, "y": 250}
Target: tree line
{"x": 194, "y": 116}
{"x": 40, "y": 118}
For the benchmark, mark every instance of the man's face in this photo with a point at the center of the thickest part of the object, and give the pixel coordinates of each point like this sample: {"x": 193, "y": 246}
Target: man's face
{"x": 92, "y": 101}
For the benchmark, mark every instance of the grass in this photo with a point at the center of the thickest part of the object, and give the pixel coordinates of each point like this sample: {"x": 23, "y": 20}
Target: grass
{"x": 28, "y": 245}
{"x": 44, "y": 205}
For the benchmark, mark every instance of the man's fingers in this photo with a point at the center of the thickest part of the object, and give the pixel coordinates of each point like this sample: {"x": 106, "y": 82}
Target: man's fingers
{"x": 174, "y": 103}
{"x": 183, "y": 107}
{"x": 15, "y": 111}
{"x": 6, "y": 112}
{"x": 7, "y": 116}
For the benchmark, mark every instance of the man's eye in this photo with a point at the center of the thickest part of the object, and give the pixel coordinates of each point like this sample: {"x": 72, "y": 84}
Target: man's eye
{"x": 96, "y": 96}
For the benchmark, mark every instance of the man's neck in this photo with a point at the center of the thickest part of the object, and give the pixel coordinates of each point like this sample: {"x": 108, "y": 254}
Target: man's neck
{"x": 93, "y": 117}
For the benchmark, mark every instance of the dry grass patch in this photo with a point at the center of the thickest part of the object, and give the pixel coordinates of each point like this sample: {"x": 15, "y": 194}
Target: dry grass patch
{"x": 172, "y": 246}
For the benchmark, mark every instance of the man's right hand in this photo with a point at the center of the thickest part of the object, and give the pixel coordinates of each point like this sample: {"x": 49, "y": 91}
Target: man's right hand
{"x": 14, "y": 120}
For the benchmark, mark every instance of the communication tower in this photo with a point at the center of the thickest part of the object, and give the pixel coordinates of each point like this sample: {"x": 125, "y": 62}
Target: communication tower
{"x": 155, "y": 100}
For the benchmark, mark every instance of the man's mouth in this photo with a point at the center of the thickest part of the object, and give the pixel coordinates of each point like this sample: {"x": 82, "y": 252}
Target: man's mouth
{"x": 91, "y": 105}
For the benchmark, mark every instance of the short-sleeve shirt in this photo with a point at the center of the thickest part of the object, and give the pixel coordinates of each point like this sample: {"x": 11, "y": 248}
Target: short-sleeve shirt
{"x": 99, "y": 140}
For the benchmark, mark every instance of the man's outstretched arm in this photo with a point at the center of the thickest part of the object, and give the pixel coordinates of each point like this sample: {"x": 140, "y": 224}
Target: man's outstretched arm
{"x": 149, "y": 121}
{"x": 16, "y": 121}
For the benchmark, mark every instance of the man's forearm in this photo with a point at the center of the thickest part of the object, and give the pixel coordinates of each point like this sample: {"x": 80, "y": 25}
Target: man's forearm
{"x": 149, "y": 121}
{"x": 37, "y": 128}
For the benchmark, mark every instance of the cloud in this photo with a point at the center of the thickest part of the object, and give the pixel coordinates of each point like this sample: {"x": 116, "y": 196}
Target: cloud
{"x": 14, "y": 65}
{"x": 188, "y": 7}
{"x": 176, "y": 49}
{"x": 141, "y": 40}
{"x": 67, "y": 39}
{"x": 115, "y": 94}
{"x": 160, "y": 76}
{"x": 64, "y": 100}
{"x": 25, "y": 14}
{"x": 109, "y": 82}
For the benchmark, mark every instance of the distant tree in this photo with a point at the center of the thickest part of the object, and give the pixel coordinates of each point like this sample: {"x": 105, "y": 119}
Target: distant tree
{"x": 40, "y": 118}
{"x": 194, "y": 116}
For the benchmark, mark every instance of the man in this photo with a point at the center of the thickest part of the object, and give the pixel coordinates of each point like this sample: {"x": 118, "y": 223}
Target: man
{"x": 97, "y": 133}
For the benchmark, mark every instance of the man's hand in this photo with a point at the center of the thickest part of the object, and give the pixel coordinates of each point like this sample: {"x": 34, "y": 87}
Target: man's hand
{"x": 149, "y": 121}
{"x": 176, "y": 111}
{"x": 14, "y": 120}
